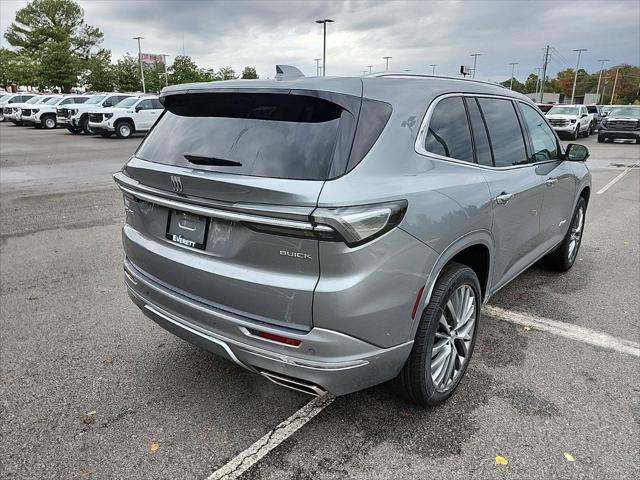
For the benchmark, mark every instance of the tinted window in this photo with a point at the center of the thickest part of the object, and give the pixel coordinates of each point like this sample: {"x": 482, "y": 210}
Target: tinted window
{"x": 80, "y": 99}
{"x": 155, "y": 104}
{"x": 506, "y": 137}
{"x": 543, "y": 139}
{"x": 480, "y": 136}
{"x": 265, "y": 135}
{"x": 448, "y": 132}
{"x": 66, "y": 101}
{"x": 145, "y": 105}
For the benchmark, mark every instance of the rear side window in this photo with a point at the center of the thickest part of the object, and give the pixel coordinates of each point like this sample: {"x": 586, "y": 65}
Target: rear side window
{"x": 543, "y": 140}
{"x": 448, "y": 132}
{"x": 258, "y": 134}
{"x": 504, "y": 131}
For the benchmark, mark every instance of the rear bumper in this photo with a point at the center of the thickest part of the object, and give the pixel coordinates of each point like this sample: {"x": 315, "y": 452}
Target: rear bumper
{"x": 325, "y": 360}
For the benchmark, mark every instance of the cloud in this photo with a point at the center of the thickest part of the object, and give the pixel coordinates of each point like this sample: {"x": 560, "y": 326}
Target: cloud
{"x": 415, "y": 33}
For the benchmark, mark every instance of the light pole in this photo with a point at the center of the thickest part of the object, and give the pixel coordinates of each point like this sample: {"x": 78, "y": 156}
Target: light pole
{"x": 387, "y": 59}
{"x": 475, "y": 61}
{"x": 600, "y": 77}
{"x": 166, "y": 75}
{"x": 144, "y": 88}
{"x": 369, "y": 67}
{"x": 575, "y": 77}
{"x": 513, "y": 69}
{"x": 364, "y": 72}
{"x": 317, "y": 60}
{"x": 324, "y": 44}
{"x": 615, "y": 83}
{"x": 433, "y": 68}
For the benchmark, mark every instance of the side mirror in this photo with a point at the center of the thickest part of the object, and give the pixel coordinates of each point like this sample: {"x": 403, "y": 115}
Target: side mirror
{"x": 138, "y": 108}
{"x": 108, "y": 103}
{"x": 576, "y": 152}
{"x": 604, "y": 114}
{"x": 583, "y": 115}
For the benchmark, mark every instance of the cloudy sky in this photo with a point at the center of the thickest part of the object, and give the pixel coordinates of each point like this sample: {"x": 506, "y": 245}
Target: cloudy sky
{"x": 415, "y": 33}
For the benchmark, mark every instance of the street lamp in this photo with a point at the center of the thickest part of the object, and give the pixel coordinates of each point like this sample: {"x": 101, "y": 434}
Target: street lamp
{"x": 575, "y": 77}
{"x": 387, "y": 59}
{"x": 317, "y": 60}
{"x": 369, "y": 67}
{"x": 513, "y": 68}
{"x": 144, "y": 88}
{"x": 324, "y": 43}
{"x": 600, "y": 78}
{"x": 475, "y": 61}
{"x": 166, "y": 75}
{"x": 433, "y": 68}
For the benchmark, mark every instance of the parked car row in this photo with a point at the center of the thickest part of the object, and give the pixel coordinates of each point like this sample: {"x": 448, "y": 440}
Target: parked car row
{"x": 106, "y": 114}
{"x": 609, "y": 121}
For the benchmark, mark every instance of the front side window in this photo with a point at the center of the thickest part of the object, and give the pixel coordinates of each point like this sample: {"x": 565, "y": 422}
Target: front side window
{"x": 145, "y": 105}
{"x": 448, "y": 134}
{"x": 543, "y": 140}
{"x": 504, "y": 131}
{"x": 156, "y": 104}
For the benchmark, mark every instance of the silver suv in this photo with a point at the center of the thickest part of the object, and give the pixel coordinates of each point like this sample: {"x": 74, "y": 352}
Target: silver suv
{"x": 331, "y": 234}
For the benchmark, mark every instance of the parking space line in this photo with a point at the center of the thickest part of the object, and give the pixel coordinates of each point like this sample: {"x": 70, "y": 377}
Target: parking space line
{"x": 249, "y": 457}
{"x": 615, "y": 180}
{"x": 563, "y": 329}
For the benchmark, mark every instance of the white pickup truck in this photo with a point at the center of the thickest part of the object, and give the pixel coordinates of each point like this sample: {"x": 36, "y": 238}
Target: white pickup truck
{"x": 44, "y": 114}
{"x": 132, "y": 115}
{"x": 75, "y": 117}
{"x": 8, "y": 100}
{"x": 571, "y": 120}
{"x": 14, "y": 115}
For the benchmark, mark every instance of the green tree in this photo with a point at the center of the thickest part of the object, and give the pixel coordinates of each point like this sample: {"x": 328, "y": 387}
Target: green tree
{"x": 517, "y": 86}
{"x": 99, "y": 75}
{"x": 249, "y": 73}
{"x": 126, "y": 74}
{"x": 154, "y": 76}
{"x": 184, "y": 70}
{"x": 53, "y": 34}
{"x": 531, "y": 84}
{"x": 226, "y": 73}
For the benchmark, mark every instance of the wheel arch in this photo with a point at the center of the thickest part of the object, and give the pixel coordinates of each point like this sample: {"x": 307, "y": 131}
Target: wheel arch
{"x": 474, "y": 250}
{"x": 586, "y": 194}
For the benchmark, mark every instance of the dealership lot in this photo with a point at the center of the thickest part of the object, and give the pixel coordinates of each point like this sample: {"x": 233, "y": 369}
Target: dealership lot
{"x": 92, "y": 389}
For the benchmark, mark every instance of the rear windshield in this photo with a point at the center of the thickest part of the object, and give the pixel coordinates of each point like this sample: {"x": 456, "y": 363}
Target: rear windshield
{"x": 258, "y": 134}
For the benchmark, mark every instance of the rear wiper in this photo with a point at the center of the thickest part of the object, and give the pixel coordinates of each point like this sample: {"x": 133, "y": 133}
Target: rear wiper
{"x": 219, "y": 162}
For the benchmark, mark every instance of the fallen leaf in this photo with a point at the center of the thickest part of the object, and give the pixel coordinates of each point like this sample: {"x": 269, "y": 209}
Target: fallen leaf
{"x": 108, "y": 360}
{"x": 569, "y": 457}
{"x": 153, "y": 447}
{"x": 92, "y": 412}
{"x": 88, "y": 419}
{"x": 500, "y": 460}
{"x": 527, "y": 328}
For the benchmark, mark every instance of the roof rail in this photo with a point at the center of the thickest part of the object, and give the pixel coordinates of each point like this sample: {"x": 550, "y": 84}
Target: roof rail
{"x": 426, "y": 75}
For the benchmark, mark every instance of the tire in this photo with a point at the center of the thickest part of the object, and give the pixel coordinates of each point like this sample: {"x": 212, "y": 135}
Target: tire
{"x": 576, "y": 134}
{"x": 75, "y": 130}
{"x": 563, "y": 258}
{"x": 106, "y": 134}
{"x": 416, "y": 380}
{"x": 124, "y": 129}
{"x": 49, "y": 122}
{"x": 84, "y": 124}
{"x": 601, "y": 139}
{"x": 591, "y": 130}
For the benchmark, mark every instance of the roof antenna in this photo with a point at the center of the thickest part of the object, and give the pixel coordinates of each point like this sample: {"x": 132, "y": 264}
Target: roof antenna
{"x": 287, "y": 72}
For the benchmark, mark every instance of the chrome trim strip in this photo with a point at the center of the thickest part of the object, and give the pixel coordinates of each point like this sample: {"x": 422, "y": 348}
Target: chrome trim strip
{"x": 222, "y": 214}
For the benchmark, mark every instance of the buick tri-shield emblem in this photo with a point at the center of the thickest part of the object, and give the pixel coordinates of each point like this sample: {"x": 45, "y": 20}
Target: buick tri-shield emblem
{"x": 176, "y": 183}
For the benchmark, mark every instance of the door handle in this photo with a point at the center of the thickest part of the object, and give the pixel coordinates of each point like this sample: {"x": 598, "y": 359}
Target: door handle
{"x": 504, "y": 198}
{"x": 551, "y": 181}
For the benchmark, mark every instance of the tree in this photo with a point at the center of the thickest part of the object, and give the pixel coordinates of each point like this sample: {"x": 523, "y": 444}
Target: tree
{"x": 53, "y": 34}
{"x": 226, "y": 73}
{"x": 126, "y": 74}
{"x": 99, "y": 75}
{"x": 531, "y": 84}
{"x": 184, "y": 70}
{"x": 249, "y": 73}
{"x": 517, "y": 86}
{"x": 154, "y": 76}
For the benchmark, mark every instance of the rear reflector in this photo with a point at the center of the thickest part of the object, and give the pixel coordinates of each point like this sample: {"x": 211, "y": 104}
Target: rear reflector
{"x": 278, "y": 338}
{"x": 415, "y": 305}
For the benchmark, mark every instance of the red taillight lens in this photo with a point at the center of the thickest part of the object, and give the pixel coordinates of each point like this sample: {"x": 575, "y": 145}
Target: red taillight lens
{"x": 415, "y": 305}
{"x": 278, "y": 338}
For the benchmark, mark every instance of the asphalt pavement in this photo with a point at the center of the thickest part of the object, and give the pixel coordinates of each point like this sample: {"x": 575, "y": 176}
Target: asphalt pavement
{"x": 91, "y": 389}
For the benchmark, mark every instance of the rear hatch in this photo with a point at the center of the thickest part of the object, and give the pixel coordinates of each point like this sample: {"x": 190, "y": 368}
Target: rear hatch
{"x": 219, "y": 196}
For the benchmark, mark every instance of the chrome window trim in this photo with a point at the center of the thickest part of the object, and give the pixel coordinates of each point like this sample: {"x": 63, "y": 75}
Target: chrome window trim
{"x": 422, "y": 133}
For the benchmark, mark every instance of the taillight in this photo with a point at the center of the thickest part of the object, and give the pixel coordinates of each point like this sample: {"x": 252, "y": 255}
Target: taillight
{"x": 358, "y": 225}
{"x": 294, "y": 342}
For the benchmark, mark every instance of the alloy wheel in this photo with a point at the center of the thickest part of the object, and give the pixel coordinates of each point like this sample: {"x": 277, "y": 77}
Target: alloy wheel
{"x": 451, "y": 347}
{"x": 576, "y": 234}
{"x": 124, "y": 129}
{"x": 50, "y": 123}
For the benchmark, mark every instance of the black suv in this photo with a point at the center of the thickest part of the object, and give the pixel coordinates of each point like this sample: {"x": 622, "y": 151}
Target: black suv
{"x": 620, "y": 122}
